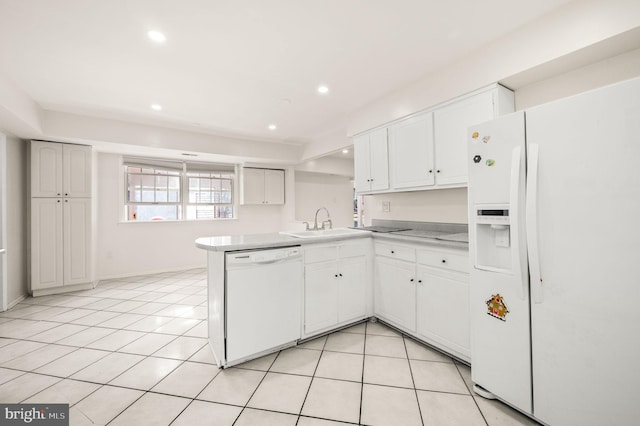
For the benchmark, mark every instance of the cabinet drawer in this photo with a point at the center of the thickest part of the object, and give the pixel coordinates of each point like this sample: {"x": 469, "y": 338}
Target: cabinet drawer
{"x": 395, "y": 251}
{"x": 445, "y": 260}
{"x": 314, "y": 254}
{"x": 353, "y": 250}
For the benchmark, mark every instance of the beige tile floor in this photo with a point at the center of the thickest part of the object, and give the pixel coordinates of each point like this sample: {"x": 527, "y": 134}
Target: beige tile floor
{"x": 134, "y": 352}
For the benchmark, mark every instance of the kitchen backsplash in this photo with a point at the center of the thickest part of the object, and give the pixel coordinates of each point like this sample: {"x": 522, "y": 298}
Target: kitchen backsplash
{"x": 442, "y": 205}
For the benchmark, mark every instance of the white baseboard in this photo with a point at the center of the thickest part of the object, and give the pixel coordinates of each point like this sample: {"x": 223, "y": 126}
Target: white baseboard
{"x": 15, "y": 302}
{"x": 151, "y": 272}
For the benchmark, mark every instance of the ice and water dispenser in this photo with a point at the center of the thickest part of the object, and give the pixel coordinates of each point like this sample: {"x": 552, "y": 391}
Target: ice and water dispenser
{"x": 493, "y": 238}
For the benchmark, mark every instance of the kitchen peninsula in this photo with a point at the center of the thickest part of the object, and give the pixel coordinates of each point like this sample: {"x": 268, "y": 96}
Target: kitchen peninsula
{"x": 270, "y": 291}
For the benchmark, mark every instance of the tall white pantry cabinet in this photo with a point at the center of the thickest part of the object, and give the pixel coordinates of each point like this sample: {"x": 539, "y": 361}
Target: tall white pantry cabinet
{"x": 61, "y": 218}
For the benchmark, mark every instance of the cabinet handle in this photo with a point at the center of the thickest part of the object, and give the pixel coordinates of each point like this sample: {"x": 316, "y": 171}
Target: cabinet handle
{"x": 336, "y": 275}
{"x": 392, "y": 252}
{"x": 430, "y": 171}
{"x": 340, "y": 274}
{"x": 444, "y": 260}
{"x": 419, "y": 281}
{"x": 411, "y": 280}
{"x": 66, "y": 201}
{"x": 66, "y": 194}
{"x": 58, "y": 194}
{"x": 437, "y": 171}
{"x": 58, "y": 200}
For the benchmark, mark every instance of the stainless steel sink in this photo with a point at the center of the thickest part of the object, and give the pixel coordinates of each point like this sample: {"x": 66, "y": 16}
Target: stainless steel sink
{"x": 321, "y": 233}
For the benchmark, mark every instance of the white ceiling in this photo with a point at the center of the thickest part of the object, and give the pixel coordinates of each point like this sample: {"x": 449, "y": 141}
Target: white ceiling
{"x": 232, "y": 67}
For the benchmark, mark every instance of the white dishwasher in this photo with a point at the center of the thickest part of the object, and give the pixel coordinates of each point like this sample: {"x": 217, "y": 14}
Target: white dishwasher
{"x": 263, "y": 297}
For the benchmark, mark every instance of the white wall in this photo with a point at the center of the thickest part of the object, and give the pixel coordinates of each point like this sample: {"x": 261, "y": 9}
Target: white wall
{"x": 16, "y": 175}
{"x": 602, "y": 73}
{"x": 314, "y": 190}
{"x": 126, "y": 249}
{"x": 440, "y": 205}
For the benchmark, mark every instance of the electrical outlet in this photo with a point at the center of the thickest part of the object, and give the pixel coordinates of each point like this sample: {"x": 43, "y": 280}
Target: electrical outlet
{"x": 386, "y": 206}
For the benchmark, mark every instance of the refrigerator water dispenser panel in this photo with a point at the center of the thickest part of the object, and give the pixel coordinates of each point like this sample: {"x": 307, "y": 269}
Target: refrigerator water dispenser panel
{"x": 493, "y": 231}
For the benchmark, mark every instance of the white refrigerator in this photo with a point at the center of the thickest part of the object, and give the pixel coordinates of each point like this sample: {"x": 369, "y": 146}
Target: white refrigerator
{"x": 554, "y": 222}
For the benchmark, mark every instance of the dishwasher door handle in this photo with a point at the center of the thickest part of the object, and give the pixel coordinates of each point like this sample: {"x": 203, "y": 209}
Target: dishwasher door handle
{"x": 276, "y": 260}
{"x": 266, "y": 262}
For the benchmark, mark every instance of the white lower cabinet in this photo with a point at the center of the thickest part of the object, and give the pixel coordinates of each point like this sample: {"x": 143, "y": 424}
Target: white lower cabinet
{"x": 395, "y": 299}
{"x": 443, "y": 314}
{"x": 421, "y": 291}
{"x": 424, "y": 292}
{"x": 60, "y": 242}
{"x": 336, "y": 277}
{"x": 320, "y": 296}
{"x": 352, "y": 275}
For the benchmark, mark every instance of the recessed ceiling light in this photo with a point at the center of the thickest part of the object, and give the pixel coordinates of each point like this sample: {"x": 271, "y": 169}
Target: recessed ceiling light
{"x": 156, "y": 36}
{"x": 323, "y": 89}
{"x": 156, "y": 107}
{"x": 272, "y": 127}
{"x": 345, "y": 151}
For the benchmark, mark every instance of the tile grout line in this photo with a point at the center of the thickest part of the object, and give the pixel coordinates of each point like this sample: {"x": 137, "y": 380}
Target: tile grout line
{"x": 471, "y": 394}
{"x": 404, "y": 343}
{"x": 364, "y": 357}
{"x": 256, "y": 389}
{"x": 313, "y": 376}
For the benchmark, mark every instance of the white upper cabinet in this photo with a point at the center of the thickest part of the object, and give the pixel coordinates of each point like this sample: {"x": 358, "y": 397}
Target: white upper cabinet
{"x": 371, "y": 161}
{"x": 46, "y": 169}
{"x": 362, "y": 163}
{"x": 262, "y": 186}
{"x": 411, "y": 152}
{"x": 451, "y": 123}
{"x": 427, "y": 150}
{"x": 60, "y": 170}
{"x": 76, "y": 171}
{"x": 274, "y": 186}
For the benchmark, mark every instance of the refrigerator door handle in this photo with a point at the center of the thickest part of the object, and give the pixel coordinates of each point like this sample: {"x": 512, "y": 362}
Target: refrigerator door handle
{"x": 514, "y": 207}
{"x": 532, "y": 224}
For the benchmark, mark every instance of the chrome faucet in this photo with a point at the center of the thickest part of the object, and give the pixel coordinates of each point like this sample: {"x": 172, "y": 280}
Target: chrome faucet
{"x": 315, "y": 223}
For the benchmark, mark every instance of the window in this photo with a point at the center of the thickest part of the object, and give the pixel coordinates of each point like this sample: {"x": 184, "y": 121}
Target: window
{"x": 167, "y": 190}
{"x": 210, "y": 195}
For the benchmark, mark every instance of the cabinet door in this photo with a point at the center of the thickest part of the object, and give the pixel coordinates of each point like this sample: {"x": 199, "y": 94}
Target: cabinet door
{"x": 76, "y": 171}
{"x": 46, "y": 243}
{"x": 361, "y": 164}
{"x": 352, "y": 295}
{"x": 320, "y": 296}
{"x": 252, "y": 186}
{"x": 395, "y": 297}
{"x": 77, "y": 241}
{"x": 274, "y": 186}
{"x": 451, "y": 123}
{"x": 46, "y": 169}
{"x": 411, "y": 152}
{"x": 379, "y": 157}
{"x": 443, "y": 308}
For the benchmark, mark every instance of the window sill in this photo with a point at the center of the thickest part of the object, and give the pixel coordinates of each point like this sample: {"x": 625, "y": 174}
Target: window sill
{"x": 129, "y": 222}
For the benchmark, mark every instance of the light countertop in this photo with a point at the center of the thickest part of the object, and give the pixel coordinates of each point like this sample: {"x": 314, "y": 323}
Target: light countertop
{"x": 270, "y": 240}
{"x": 274, "y": 240}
